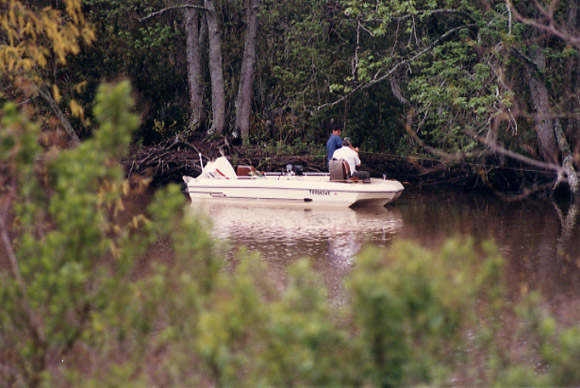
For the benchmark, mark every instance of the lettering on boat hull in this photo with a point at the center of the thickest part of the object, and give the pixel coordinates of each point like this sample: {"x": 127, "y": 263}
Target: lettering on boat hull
{"x": 319, "y": 192}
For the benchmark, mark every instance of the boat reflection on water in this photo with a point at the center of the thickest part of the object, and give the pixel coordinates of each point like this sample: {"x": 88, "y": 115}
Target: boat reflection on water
{"x": 330, "y": 237}
{"x": 262, "y": 223}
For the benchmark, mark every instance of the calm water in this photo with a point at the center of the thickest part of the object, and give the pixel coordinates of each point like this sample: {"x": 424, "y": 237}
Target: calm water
{"x": 539, "y": 240}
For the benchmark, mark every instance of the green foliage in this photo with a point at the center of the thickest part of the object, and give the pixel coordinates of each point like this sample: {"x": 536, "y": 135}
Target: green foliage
{"x": 375, "y": 123}
{"x": 456, "y": 94}
{"x": 305, "y": 345}
{"x": 457, "y": 63}
{"x": 62, "y": 234}
{"x": 555, "y": 349}
{"x": 462, "y": 66}
{"x": 406, "y": 300}
{"x": 229, "y": 330}
{"x": 18, "y": 137}
{"x": 303, "y": 49}
{"x": 142, "y": 51}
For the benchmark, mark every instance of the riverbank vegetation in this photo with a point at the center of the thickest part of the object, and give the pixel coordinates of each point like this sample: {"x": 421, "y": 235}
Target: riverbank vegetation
{"x": 82, "y": 300}
{"x": 484, "y": 88}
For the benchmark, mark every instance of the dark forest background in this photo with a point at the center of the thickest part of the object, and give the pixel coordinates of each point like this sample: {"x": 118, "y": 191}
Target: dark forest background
{"x": 489, "y": 86}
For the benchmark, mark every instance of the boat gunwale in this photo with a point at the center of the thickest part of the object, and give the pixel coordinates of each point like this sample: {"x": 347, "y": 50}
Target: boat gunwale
{"x": 376, "y": 186}
{"x": 289, "y": 188}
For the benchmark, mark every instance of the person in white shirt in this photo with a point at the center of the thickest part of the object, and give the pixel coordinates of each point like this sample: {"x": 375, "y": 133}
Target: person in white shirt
{"x": 350, "y": 154}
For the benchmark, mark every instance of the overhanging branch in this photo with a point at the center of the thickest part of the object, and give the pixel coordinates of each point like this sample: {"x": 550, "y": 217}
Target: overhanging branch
{"x": 162, "y": 11}
{"x": 514, "y": 155}
{"x": 550, "y": 27}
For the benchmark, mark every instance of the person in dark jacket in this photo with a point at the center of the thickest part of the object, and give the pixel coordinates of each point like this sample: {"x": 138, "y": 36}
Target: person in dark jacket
{"x": 334, "y": 142}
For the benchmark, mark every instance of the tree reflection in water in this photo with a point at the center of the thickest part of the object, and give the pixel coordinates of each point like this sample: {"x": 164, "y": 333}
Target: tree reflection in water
{"x": 539, "y": 240}
{"x": 568, "y": 223}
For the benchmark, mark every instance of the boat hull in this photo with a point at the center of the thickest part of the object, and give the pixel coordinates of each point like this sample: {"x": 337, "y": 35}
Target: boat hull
{"x": 308, "y": 191}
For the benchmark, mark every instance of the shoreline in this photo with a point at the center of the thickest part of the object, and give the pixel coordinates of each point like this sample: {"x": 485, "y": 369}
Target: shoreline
{"x": 167, "y": 162}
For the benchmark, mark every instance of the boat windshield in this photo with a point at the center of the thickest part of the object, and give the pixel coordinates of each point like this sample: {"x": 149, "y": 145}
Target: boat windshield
{"x": 219, "y": 168}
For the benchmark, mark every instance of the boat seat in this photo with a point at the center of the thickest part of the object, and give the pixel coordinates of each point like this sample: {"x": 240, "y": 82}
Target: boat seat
{"x": 244, "y": 170}
{"x": 340, "y": 171}
{"x": 337, "y": 172}
{"x": 248, "y": 171}
{"x": 347, "y": 173}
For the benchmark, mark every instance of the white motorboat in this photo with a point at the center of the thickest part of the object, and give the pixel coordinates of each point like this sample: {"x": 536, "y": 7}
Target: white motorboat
{"x": 219, "y": 182}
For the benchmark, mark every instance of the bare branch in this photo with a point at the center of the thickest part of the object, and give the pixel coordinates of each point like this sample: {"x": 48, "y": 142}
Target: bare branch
{"x": 551, "y": 27}
{"x": 45, "y": 94}
{"x": 548, "y": 13}
{"x": 355, "y": 59}
{"x": 526, "y": 59}
{"x": 6, "y": 238}
{"x": 526, "y": 192}
{"x": 435, "y": 151}
{"x": 514, "y": 155}
{"x": 494, "y": 147}
{"x": 162, "y": 11}
{"x": 509, "y": 10}
{"x": 35, "y": 324}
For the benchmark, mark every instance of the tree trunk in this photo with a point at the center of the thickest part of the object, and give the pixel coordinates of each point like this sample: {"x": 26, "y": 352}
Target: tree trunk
{"x": 204, "y": 54}
{"x": 574, "y": 69}
{"x": 218, "y": 100}
{"x": 193, "y": 66}
{"x": 246, "y": 86}
{"x": 541, "y": 106}
{"x": 551, "y": 138}
{"x": 46, "y": 96}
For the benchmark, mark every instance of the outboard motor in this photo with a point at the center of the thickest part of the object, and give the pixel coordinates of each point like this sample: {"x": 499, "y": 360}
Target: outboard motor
{"x": 294, "y": 169}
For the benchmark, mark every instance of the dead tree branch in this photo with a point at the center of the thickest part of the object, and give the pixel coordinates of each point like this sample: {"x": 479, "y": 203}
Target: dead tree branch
{"x": 549, "y": 25}
{"x": 516, "y": 156}
{"x": 162, "y": 11}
